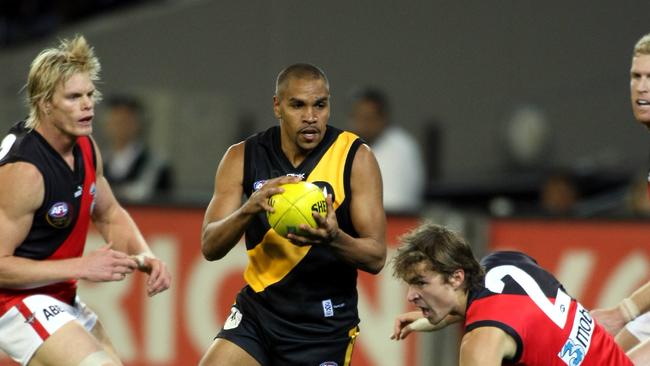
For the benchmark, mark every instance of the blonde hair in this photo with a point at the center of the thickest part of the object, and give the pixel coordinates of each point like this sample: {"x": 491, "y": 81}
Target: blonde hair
{"x": 642, "y": 47}
{"x": 54, "y": 66}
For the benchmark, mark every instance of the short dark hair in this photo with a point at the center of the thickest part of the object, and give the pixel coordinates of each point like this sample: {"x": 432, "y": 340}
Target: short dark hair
{"x": 443, "y": 250}
{"x": 299, "y": 71}
{"x": 375, "y": 96}
{"x": 127, "y": 101}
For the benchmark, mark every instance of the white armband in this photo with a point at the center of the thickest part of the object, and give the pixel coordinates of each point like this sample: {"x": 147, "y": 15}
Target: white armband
{"x": 629, "y": 309}
{"x": 422, "y": 325}
{"x": 140, "y": 258}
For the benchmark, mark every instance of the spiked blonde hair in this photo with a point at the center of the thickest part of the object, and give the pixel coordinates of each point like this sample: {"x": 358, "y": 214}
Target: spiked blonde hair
{"x": 642, "y": 47}
{"x": 54, "y": 66}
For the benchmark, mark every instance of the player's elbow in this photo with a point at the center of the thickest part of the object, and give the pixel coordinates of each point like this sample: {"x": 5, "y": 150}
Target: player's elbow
{"x": 209, "y": 250}
{"x": 376, "y": 264}
{"x": 375, "y": 269}
{"x": 211, "y": 254}
{"x": 208, "y": 254}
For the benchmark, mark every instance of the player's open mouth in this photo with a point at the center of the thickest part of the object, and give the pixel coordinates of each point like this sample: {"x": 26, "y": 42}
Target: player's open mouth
{"x": 309, "y": 133}
{"x": 642, "y": 102}
{"x": 86, "y": 119}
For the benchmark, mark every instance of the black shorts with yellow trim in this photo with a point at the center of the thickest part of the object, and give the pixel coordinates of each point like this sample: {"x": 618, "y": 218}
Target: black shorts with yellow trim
{"x": 273, "y": 346}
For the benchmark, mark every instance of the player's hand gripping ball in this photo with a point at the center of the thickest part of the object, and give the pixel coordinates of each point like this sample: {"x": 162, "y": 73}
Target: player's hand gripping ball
{"x": 294, "y": 206}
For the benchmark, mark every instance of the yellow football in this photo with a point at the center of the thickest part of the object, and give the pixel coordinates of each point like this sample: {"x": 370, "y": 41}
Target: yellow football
{"x": 294, "y": 206}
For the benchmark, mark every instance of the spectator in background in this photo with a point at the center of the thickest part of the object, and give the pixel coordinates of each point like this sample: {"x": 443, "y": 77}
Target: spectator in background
{"x": 636, "y": 199}
{"x": 135, "y": 172}
{"x": 397, "y": 152}
{"x": 559, "y": 194}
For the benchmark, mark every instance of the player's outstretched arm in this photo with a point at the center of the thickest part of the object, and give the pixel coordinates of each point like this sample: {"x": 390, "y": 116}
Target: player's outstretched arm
{"x": 410, "y": 322}
{"x": 413, "y": 321}
{"x": 119, "y": 230}
{"x": 611, "y": 319}
{"x": 614, "y": 319}
{"x": 368, "y": 251}
{"x": 226, "y": 219}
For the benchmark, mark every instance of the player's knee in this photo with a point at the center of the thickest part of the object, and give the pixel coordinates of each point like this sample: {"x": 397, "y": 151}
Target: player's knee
{"x": 99, "y": 358}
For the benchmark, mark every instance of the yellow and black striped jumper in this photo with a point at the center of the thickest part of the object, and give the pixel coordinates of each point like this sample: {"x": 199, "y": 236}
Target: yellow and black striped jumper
{"x": 299, "y": 306}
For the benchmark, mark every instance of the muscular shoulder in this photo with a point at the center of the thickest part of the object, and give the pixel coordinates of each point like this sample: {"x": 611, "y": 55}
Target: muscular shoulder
{"x": 22, "y": 184}
{"x": 364, "y": 156}
{"x": 231, "y": 166}
{"x": 235, "y": 153}
{"x": 19, "y": 174}
{"x": 365, "y": 167}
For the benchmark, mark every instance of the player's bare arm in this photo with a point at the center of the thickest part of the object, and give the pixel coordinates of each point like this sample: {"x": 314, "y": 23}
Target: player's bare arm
{"x": 413, "y": 321}
{"x": 21, "y": 195}
{"x": 111, "y": 219}
{"x": 368, "y": 252}
{"x": 119, "y": 230}
{"x": 226, "y": 218}
{"x": 486, "y": 346}
{"x": 614, "y": 319}
{"x": 403, "y": 325}
{"x": 638, "y": 302}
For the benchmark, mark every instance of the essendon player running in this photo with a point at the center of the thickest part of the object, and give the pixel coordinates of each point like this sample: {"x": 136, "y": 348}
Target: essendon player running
{"x": 52, "y": 188}
{"x": 515, "y": 312}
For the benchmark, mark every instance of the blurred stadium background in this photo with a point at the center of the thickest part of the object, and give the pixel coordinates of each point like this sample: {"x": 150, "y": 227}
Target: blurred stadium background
{"x": 459, "y": 75}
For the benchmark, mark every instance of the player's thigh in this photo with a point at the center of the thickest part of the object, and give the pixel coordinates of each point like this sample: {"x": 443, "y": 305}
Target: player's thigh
{"x": 69, "y": 346}
{"x": 225, "y": 353}
{"x": 100, "y": 334}
{"x": 626, "y": 340}
{"x": 640, "y": 355}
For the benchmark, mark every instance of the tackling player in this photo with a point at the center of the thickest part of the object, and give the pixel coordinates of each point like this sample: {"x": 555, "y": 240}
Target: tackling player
{"x": 514, "y": 311}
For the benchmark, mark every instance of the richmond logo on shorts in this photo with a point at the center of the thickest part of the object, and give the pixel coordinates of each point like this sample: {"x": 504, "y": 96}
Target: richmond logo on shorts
{"x": 233, "y": 319}
{"x": 59, "y": 215}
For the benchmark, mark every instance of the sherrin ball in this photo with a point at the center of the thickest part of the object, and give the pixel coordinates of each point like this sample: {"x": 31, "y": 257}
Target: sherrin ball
{"x": 294, "y": 206}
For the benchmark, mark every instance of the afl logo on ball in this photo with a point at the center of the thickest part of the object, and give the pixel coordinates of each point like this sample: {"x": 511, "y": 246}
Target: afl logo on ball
{"x": 59, "y": 215}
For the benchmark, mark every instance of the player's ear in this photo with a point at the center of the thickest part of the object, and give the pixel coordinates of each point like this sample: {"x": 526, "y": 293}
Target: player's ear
{"x": 457, "y": 278}
{"x": 276, "y": 107}
{"x": 45, "y": 105}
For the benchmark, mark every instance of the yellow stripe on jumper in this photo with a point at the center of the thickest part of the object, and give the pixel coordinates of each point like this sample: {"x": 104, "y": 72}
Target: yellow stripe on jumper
{"x": 331, "y": 167}
{"x": 271, "y": 260}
